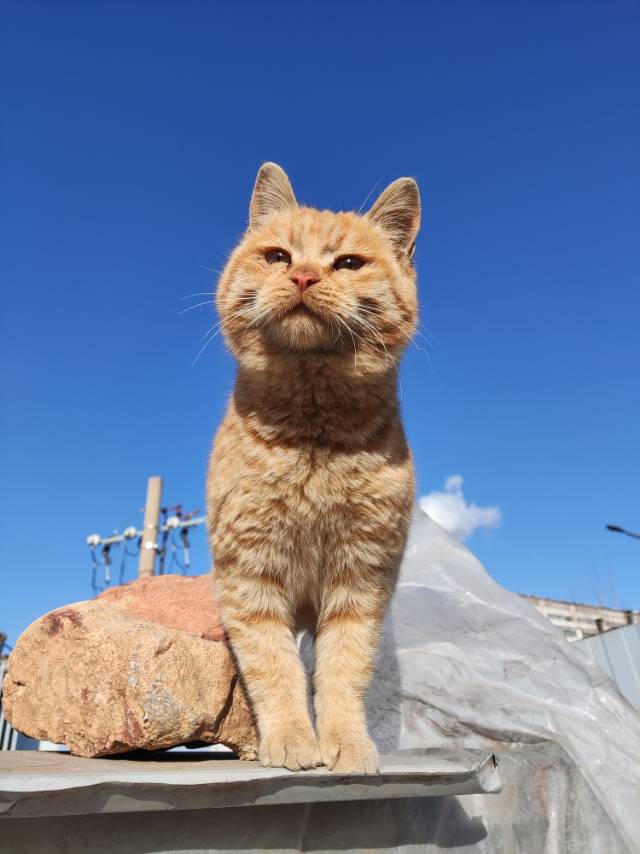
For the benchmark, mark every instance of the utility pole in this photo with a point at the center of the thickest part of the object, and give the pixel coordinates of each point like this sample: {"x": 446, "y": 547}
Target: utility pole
{"x": 149, "y": 544}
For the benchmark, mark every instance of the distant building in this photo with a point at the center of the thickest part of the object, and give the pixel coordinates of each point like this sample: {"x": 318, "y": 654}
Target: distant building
{"x": 582, "y": 621}
{"x": 618, "y": 654}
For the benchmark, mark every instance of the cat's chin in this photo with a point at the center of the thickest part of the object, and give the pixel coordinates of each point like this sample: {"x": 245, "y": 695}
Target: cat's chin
{"x": 301, "y": 330}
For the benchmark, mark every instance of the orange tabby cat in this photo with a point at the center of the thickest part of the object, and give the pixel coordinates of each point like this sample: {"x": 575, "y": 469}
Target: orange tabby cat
{"x": 311, "y": 482}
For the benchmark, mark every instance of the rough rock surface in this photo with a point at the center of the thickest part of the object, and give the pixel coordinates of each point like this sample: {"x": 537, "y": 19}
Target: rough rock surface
{"x": 142, "y": 666}
{"x": 172, "y": 601}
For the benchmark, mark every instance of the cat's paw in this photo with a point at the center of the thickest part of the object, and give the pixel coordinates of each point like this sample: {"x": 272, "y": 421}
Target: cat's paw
{"x": 249, "y": 752}
{"x": 350, "y": 755}
{"x": 289, "y": 747}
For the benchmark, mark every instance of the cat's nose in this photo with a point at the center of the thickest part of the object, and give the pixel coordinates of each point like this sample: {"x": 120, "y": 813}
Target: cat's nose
{"x": 304, "y": 278}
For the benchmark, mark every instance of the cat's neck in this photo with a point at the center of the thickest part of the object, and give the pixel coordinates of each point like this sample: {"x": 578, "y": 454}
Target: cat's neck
{"x": 310, "y": 398}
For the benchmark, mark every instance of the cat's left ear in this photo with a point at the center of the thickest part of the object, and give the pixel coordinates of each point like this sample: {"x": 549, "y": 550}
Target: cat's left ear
{"x": 272, "y": 192}
{"x": 397, "y": 211}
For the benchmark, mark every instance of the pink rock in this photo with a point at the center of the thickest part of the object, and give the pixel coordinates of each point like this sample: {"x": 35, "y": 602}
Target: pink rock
{"x": 173, "y": 601}
{"x": 141, "y": 666}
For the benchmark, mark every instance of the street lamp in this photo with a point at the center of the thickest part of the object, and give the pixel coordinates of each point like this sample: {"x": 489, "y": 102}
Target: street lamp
{"x": 618, "y": 530}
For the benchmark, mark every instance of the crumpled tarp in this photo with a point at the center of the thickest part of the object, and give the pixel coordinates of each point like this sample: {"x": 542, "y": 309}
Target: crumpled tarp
{"x": 464, "y": 662}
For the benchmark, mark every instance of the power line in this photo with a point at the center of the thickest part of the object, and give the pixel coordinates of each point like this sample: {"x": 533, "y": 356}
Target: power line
{"x": 172, "y": 523}
{"x": 156, "y": 539}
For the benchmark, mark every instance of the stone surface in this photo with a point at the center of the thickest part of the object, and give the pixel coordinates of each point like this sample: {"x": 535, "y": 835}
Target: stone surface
{"x": 173, "y": 601}
{"x": 141, "y": 666}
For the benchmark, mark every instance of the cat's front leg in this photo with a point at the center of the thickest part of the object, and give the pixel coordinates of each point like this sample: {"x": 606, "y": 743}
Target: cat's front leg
{"x": 345, "y": 646}
{"x": 263, "y": 641}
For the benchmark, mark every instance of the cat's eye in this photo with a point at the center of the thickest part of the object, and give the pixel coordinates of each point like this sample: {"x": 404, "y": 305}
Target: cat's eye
{"x": 348, "y": 262}
{"x": 277, "y": 256}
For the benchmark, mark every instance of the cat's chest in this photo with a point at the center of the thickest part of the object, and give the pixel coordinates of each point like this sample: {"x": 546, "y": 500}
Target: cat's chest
{"x": 313, "y": 479}
{"x": 309, "y": 482}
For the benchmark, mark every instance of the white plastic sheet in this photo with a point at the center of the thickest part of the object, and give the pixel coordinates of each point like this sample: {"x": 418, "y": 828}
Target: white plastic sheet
{"x": 465, "y": 663}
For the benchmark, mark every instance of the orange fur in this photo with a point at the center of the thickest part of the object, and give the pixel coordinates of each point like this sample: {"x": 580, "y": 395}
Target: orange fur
{"x": 311, "y": 482}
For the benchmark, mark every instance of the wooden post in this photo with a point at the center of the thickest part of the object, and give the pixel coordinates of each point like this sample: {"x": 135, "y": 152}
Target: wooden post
{"x": 150, "y": 536}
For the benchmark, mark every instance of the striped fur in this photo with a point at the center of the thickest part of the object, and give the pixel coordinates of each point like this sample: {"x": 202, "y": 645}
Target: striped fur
{"x": 311, "y": 482}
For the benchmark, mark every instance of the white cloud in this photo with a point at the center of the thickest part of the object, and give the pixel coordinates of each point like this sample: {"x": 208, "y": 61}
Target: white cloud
{"x": 451, "y": 510}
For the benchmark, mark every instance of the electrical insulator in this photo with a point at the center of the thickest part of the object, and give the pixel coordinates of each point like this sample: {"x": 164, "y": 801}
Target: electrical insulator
{"x": 93, "y": 540}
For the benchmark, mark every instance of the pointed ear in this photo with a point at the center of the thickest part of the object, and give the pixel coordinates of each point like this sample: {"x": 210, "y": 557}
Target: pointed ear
{"x": 272, "y": 192}
{"x": 397, "y": 211}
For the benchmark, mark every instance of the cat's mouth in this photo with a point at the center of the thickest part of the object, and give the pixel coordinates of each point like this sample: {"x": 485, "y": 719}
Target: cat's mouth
{"x": 303, "y": 312}
{"x": 300, "y": 327}
{"x": 301, "y": 309}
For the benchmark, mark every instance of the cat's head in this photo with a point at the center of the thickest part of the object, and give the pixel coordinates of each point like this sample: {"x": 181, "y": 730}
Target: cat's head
{"x": 309, "y": 281}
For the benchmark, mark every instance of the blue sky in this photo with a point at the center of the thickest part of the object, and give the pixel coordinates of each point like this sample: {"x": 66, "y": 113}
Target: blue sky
{"x": 132, "y": 134}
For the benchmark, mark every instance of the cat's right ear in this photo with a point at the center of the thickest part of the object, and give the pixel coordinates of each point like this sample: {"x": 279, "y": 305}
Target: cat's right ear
{"x": 397, "y": 212}
{"x": 272, "y": 192}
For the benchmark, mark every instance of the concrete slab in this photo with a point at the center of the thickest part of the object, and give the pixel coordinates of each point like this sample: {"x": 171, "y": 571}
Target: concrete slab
{"x": 35, "y": 784}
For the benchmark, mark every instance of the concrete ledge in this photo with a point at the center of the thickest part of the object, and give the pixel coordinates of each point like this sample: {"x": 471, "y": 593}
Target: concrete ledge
{"x": 35, "y": 784}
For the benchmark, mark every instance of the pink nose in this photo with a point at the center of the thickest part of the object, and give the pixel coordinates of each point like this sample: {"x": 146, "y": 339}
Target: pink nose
{"x": 304, "y": 278}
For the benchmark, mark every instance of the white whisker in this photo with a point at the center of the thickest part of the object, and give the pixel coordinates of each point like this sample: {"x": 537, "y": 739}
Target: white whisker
{"x": 220, "y": 323}
{"x": 191, "y": 307}
{"x": 203, "y": 348}
{"x": 409, "y": 338}
{"x": 368, "y": 196}
{"x": 262, "y": 314}
{"x": 388, "y": 356}
{"x": 199, "y": 294}
{"x": 350, "y": 331}
{"x": 215, "y": 330}
{"x": 422, "y": 350}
